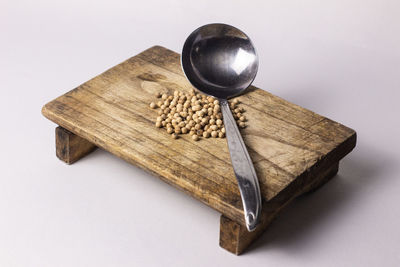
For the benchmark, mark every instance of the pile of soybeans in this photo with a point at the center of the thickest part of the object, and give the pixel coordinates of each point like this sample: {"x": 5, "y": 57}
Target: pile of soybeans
{"x": 194, "y": 113}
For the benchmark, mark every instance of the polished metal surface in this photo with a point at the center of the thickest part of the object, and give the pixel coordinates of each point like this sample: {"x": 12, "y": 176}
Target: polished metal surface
{"x": 221, "y": 61}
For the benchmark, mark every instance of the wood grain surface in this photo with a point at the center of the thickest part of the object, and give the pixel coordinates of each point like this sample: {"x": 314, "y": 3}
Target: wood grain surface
{"x": 288, "y": 144}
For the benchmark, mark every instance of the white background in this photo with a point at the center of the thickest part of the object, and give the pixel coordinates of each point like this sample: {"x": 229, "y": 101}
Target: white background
{"x": 338, "y": 58}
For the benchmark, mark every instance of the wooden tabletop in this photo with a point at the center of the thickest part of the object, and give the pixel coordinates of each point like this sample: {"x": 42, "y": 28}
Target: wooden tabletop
{"x": 288, "y": 144}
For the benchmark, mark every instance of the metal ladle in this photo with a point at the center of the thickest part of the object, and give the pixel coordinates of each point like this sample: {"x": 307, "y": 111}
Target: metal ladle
{"x": 221, "y": 61}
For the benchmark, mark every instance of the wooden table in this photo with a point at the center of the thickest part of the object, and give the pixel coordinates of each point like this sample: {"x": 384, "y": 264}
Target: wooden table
{"x": 294, "y": 150}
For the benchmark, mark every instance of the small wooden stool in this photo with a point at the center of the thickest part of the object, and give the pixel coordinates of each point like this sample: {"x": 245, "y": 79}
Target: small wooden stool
{"x": 294, "y": 150}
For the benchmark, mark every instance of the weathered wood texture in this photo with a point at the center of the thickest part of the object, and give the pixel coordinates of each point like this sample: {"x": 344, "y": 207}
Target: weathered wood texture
{"x": 235, "y": 238}
{"x": 70, "y": 147}
{"x": 288, "y": 144}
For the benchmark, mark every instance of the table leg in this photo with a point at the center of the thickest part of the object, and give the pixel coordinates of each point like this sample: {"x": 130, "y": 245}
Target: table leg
{"x": 70, "y": 147}
{"x": 234, "y": 236}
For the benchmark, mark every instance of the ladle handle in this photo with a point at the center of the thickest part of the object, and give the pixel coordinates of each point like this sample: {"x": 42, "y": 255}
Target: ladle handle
{"x": 243, "y": 168}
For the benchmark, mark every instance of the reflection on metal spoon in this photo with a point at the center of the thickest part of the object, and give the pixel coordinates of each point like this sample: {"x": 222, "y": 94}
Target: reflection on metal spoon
{"x": 221, "y": 61}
